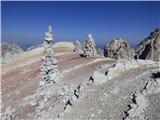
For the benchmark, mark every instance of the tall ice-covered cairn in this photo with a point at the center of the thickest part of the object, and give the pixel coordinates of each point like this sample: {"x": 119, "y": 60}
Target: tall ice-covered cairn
{"x": 90, "y": 47}
{"x": 49, "y": 71}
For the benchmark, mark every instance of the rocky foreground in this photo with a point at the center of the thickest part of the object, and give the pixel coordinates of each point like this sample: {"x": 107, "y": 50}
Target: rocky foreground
{"x": 91, "y": 88}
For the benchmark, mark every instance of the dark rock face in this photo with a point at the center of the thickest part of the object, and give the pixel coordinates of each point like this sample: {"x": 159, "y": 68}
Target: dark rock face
{"x": 118, "y": 49}
{"x": 149, "y": 48}
{"x": 9, "y": 49}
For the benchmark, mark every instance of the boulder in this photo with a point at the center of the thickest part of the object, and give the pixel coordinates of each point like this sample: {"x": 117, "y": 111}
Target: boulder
{"x": 118, "y": 49}
{"x": 149, "y": 48}
{"x": 99, "y": 78}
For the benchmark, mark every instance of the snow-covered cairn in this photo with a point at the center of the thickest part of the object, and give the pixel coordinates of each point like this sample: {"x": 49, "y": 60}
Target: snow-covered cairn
{"x": 90, "y": 47}
{"x": 49, "y": 71}
{"x": 78, "y": 47}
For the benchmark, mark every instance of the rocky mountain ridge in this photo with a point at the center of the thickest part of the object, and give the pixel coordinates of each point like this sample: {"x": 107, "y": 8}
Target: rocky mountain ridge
{"x": 149, "y": 48}
{"x": 9, "y": 49}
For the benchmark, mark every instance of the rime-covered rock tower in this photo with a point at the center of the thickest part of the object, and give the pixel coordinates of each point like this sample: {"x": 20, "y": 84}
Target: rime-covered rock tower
{"x": 118, "y": 49}
{"x": 49, "y": 71}
{"x": 90, "y": 47}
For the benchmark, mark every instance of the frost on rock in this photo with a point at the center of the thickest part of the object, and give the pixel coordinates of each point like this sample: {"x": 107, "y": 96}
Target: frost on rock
{"x": 49, "y": 71}
{"x": 52, "y": 100}
{"x": 121, "y": 67}
{"x": 78, "y": 47}
{"x": 8, "y": 114}
{"x": 140, "y": 101}
{"x": 99, "y": 78}
{"x": 139, "y": 105}
{"x": 90, "y": 47}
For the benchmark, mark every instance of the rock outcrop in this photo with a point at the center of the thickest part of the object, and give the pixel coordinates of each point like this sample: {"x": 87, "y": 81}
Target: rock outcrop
{"x": 90, "y": 47}
{"x": 9, "y": 49}
{"x": 121, "y": 67}
{"x": 49, "y": 71}
{"x": 149, "y": 48}
{"x": 118, "y": 49}
{"x": 140, "y": 101}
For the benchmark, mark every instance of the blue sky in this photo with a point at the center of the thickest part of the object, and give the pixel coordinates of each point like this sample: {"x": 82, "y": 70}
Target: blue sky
{"x": 25, "y": 22}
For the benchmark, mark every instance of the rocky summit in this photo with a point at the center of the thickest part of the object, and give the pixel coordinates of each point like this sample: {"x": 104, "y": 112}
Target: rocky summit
{"x": 149, "y": 48}
{"x": 118, "y": 49}
{"x": 55, "y": 82}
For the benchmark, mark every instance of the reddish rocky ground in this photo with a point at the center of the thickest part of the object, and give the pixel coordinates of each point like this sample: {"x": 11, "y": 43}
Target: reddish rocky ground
{"x": 20, "y": 74}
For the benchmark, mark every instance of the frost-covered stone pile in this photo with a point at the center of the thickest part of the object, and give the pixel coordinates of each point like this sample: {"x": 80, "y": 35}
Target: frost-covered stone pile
{"x": 49, "y": 71}
{"x": 78, "y": 47}
{"x": 52, "y": 100}
{"x": 140, "y": 101}
{"x": 90, "y": 47}
{"x": 118, "y": 49}
{"x": 49, "y": 102}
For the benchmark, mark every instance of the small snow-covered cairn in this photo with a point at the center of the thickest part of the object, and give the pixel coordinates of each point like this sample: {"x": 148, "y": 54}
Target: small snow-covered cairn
{"x": 78, "y": 47}
{"x": 90, "y": 47}
{"x": 49, "y": 71}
